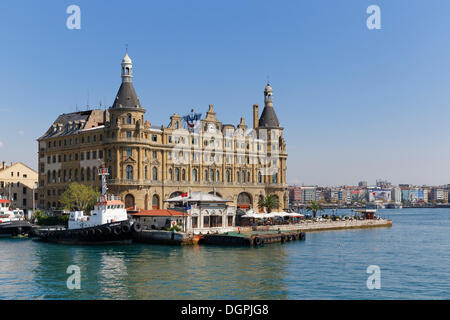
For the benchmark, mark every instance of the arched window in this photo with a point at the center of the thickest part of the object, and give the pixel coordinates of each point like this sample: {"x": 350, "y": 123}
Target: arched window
{"x": 154, "y": 173}
{"x": 129, "y": 172}
{"x": 237, "y": 176}
{"x": 155, "y": 202}
{"x": 177, "y": 174}
{"x": 94, "y": 173}
{"x": 217, "y": 175}
{"x": 183, "y": 175}
{"x": 194, "y": 175}
{"x": 259, "y": 177}
{"x": 211, "y": 175}
{"x": 110, "y": 173}
{"x": 88, "y": 174}
{"x": 145, "y": 172}
{"x": 274, "y": 178}
{"x": 243, "y": 177}
{"x": 82, "y": 174}
{"x": 170, "y": 174}
{"x": 248, "y": 177}
{"x": 206, "y": 175}
{"x": 129, "y": 118}
{"x": 49, "y": 176}
{"x": 227, "y": 175}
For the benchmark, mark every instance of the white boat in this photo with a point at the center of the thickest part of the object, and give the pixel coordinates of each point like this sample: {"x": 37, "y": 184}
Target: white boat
{"x": 107, "y": 223}
{"x": 12, "y": 222}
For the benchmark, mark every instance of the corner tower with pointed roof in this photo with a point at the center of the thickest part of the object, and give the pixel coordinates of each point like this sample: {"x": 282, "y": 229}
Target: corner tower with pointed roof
{"x": 126, "y": 109}
{"x": 268, "y": 118}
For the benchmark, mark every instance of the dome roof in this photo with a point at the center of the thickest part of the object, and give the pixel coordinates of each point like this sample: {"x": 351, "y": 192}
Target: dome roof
{"x": 126, "y": 59}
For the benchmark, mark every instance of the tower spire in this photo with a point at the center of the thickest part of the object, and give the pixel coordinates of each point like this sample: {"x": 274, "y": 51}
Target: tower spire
{"x": 127, "y": 68}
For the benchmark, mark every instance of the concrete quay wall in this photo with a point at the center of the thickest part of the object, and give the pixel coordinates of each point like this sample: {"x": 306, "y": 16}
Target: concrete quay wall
{"x": 326, "y": 225}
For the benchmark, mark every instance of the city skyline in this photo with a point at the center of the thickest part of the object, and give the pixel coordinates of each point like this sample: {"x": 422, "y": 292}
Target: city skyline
{"x": 356, "y": 104}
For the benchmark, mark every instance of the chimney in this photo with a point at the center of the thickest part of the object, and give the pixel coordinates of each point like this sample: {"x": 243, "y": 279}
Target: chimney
{"x": 255, "y": 116}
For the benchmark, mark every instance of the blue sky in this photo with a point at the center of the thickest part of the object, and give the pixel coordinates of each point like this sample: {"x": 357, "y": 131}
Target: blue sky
{"x": 356, "y": 104}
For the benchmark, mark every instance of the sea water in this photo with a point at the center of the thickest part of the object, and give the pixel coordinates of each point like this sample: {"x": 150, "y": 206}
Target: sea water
{"x": 413, "y": 257}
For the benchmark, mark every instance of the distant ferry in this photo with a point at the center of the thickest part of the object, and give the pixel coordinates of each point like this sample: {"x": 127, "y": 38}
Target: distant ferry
{"x": 12, "y": 222}
{"x": 108, "y": 223}
{"x": 394, "y": 206}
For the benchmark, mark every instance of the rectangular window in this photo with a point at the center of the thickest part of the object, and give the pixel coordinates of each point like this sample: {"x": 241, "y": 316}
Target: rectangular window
{"x": 129, "y": 152}
{"x": 94, "y": 154}
{"x": 154, "y": 138}
{"x": 100, "y": 154}
{"x": 154, "y": 154}
{"x": 88, "y": 155}
{"x": 82, "y": 156}
{"x": 206, "y": 222}
{"x": 128, "y": 134}
{"x": 194, "y": 222}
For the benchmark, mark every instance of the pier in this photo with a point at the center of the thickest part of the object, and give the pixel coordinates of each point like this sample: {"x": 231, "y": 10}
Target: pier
{"x": 252, "y": 238}
{"x": 308, "y": 225}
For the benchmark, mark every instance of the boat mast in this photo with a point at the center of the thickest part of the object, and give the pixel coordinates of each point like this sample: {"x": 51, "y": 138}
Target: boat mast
{"x": 103, "y": 173}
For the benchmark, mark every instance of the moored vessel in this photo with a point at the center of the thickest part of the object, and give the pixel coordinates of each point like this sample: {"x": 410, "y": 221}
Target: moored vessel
{"x": 108, "y": 223}
{"x": 12, "y": 222}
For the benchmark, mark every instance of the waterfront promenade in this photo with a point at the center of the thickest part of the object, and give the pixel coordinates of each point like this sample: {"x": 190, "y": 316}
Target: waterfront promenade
{"x": 308, "y": 226}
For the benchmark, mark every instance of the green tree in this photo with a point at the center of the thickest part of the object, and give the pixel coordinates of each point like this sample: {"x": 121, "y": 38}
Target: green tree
{"x": 270, "y": 202}
{"x": 314, "y": 207}
{"x": 79, "y": 197}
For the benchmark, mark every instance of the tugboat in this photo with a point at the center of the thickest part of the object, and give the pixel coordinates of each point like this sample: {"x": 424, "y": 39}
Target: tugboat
{"x": 12, "y": 222}
{"x": 108, "y": 223}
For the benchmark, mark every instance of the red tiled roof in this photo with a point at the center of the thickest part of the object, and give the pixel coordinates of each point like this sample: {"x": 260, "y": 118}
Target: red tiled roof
{"x": 160, "y": 213}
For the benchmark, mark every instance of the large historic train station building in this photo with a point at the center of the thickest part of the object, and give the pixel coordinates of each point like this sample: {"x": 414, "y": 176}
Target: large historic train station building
{"x": 149, "y": 164}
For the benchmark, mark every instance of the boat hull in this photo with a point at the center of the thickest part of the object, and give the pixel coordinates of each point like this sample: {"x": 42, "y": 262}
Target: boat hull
{"x": 15, "y": 228}
{"x": 110, "y": 233}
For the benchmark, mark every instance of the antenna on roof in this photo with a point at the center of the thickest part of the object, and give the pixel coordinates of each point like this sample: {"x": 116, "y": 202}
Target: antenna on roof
{"x": 87, "y": 105}
{"x": 126, "y": 47}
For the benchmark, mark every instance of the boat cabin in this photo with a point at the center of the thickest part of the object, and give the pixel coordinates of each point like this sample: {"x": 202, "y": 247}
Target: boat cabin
{"x": 106, "y": 210}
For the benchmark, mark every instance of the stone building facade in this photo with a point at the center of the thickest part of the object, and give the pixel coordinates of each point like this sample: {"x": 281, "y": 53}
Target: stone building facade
{"x": 149, "y": 164}
{"x": 18, "y": 183}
